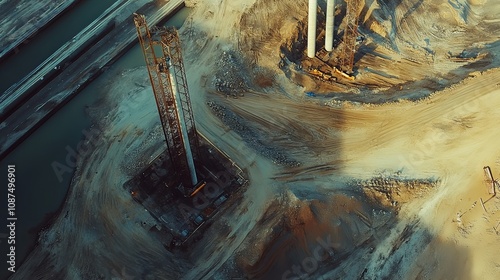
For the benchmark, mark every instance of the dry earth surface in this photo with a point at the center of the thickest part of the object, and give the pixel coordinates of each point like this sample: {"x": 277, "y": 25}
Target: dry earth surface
{"x": 384, "y": 190}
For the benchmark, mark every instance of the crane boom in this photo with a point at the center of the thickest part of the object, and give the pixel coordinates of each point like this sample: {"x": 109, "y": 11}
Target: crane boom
{"x": 162, "y": 53}
{"x": 350, "y": 35}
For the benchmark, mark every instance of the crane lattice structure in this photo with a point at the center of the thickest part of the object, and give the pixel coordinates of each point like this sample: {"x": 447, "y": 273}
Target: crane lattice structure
{"x": 346, "y": 59}
{"x": 162, "y": 53}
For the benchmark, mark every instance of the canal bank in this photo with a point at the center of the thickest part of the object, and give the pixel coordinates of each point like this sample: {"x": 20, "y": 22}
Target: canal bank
{"x": 56, "y": 63}
{"x": 39, "y": 192}
{"x": 22, "y": 122}
{"x": 30, "y": 18}
{"x": 48, "y": 39}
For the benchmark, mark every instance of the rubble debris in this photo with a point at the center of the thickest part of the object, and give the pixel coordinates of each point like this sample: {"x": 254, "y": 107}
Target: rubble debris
{"x": 229, "y": 78}
{"x": 394, "y": 191}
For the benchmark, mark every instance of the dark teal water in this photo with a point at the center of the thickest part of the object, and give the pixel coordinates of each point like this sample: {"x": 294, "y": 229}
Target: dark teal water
{"x": 39, "y": 193}
{"x": 49, "y": 40}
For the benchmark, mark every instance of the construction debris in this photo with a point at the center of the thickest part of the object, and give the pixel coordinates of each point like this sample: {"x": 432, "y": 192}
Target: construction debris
{"x": 229, "y": 78}
{"x": 489, "y": 180}
{"x": 393, "y": 190}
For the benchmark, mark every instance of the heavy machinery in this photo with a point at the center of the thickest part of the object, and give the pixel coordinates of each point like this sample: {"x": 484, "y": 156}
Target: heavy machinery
{"x": 162, "y": 53}
{"x": 345, "y": 54}
{"x": 190, "y": 182}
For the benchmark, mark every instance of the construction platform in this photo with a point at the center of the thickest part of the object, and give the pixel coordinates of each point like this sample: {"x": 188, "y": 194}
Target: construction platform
{"x": 182, "y": 219}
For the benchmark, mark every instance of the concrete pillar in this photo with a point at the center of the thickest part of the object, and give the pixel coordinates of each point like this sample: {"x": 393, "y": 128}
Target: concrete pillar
{"x": 311, "y": 28}
{"x": 330, "y": 14}
{"x": 183, "y": 127}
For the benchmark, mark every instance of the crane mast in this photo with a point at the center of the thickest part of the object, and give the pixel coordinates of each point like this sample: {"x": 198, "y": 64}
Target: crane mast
{"x": 162, "y": 52}
{"x": 346, "y": 60}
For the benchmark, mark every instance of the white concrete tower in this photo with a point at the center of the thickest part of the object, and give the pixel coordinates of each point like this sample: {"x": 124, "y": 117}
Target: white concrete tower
{"x": 311, "y": 28}
{"x": 330, "y": 14}
{"x": 183, "y": 127}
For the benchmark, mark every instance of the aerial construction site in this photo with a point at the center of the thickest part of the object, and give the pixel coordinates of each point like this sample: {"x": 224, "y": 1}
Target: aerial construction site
{"x": 311, "y": 139}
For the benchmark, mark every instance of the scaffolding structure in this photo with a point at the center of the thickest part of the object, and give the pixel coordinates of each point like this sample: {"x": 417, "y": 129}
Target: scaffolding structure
{"x": 162, "y": 53}
{"x": 346, "y": 59}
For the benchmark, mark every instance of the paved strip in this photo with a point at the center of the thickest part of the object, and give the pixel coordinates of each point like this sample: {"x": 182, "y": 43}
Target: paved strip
{"x": 21, "y": 123}
{"x": 20, "y": 20}
{"x": 41, "y": 75}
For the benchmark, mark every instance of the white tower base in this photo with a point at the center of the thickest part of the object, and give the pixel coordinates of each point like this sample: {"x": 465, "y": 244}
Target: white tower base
{"x": 330, "y": 14}
{"x": 311, "y": 29}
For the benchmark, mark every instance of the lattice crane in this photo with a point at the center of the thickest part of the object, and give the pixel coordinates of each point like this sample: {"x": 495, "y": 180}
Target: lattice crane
{"x": 346, "y": 59}
{"x": 162, "y": 53}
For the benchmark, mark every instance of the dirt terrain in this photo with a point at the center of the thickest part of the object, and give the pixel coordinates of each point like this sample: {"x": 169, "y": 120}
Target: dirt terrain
{"x": 342, "y": 186}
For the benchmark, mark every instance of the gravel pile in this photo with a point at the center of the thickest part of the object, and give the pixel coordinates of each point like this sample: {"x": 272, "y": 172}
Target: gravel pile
{"x": 394, "y": 189}
{"x": 251, "y": 136}
{"x": 140, "y": 153}
{"x": 392, "y": 182}
{"x": 388, "y": 185}
{"x": 228, "y": 78}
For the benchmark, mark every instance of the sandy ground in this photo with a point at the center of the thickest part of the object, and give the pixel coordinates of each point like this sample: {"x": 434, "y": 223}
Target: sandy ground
{"x": 448, "y": 136}
{"x": 440, "y": 232}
